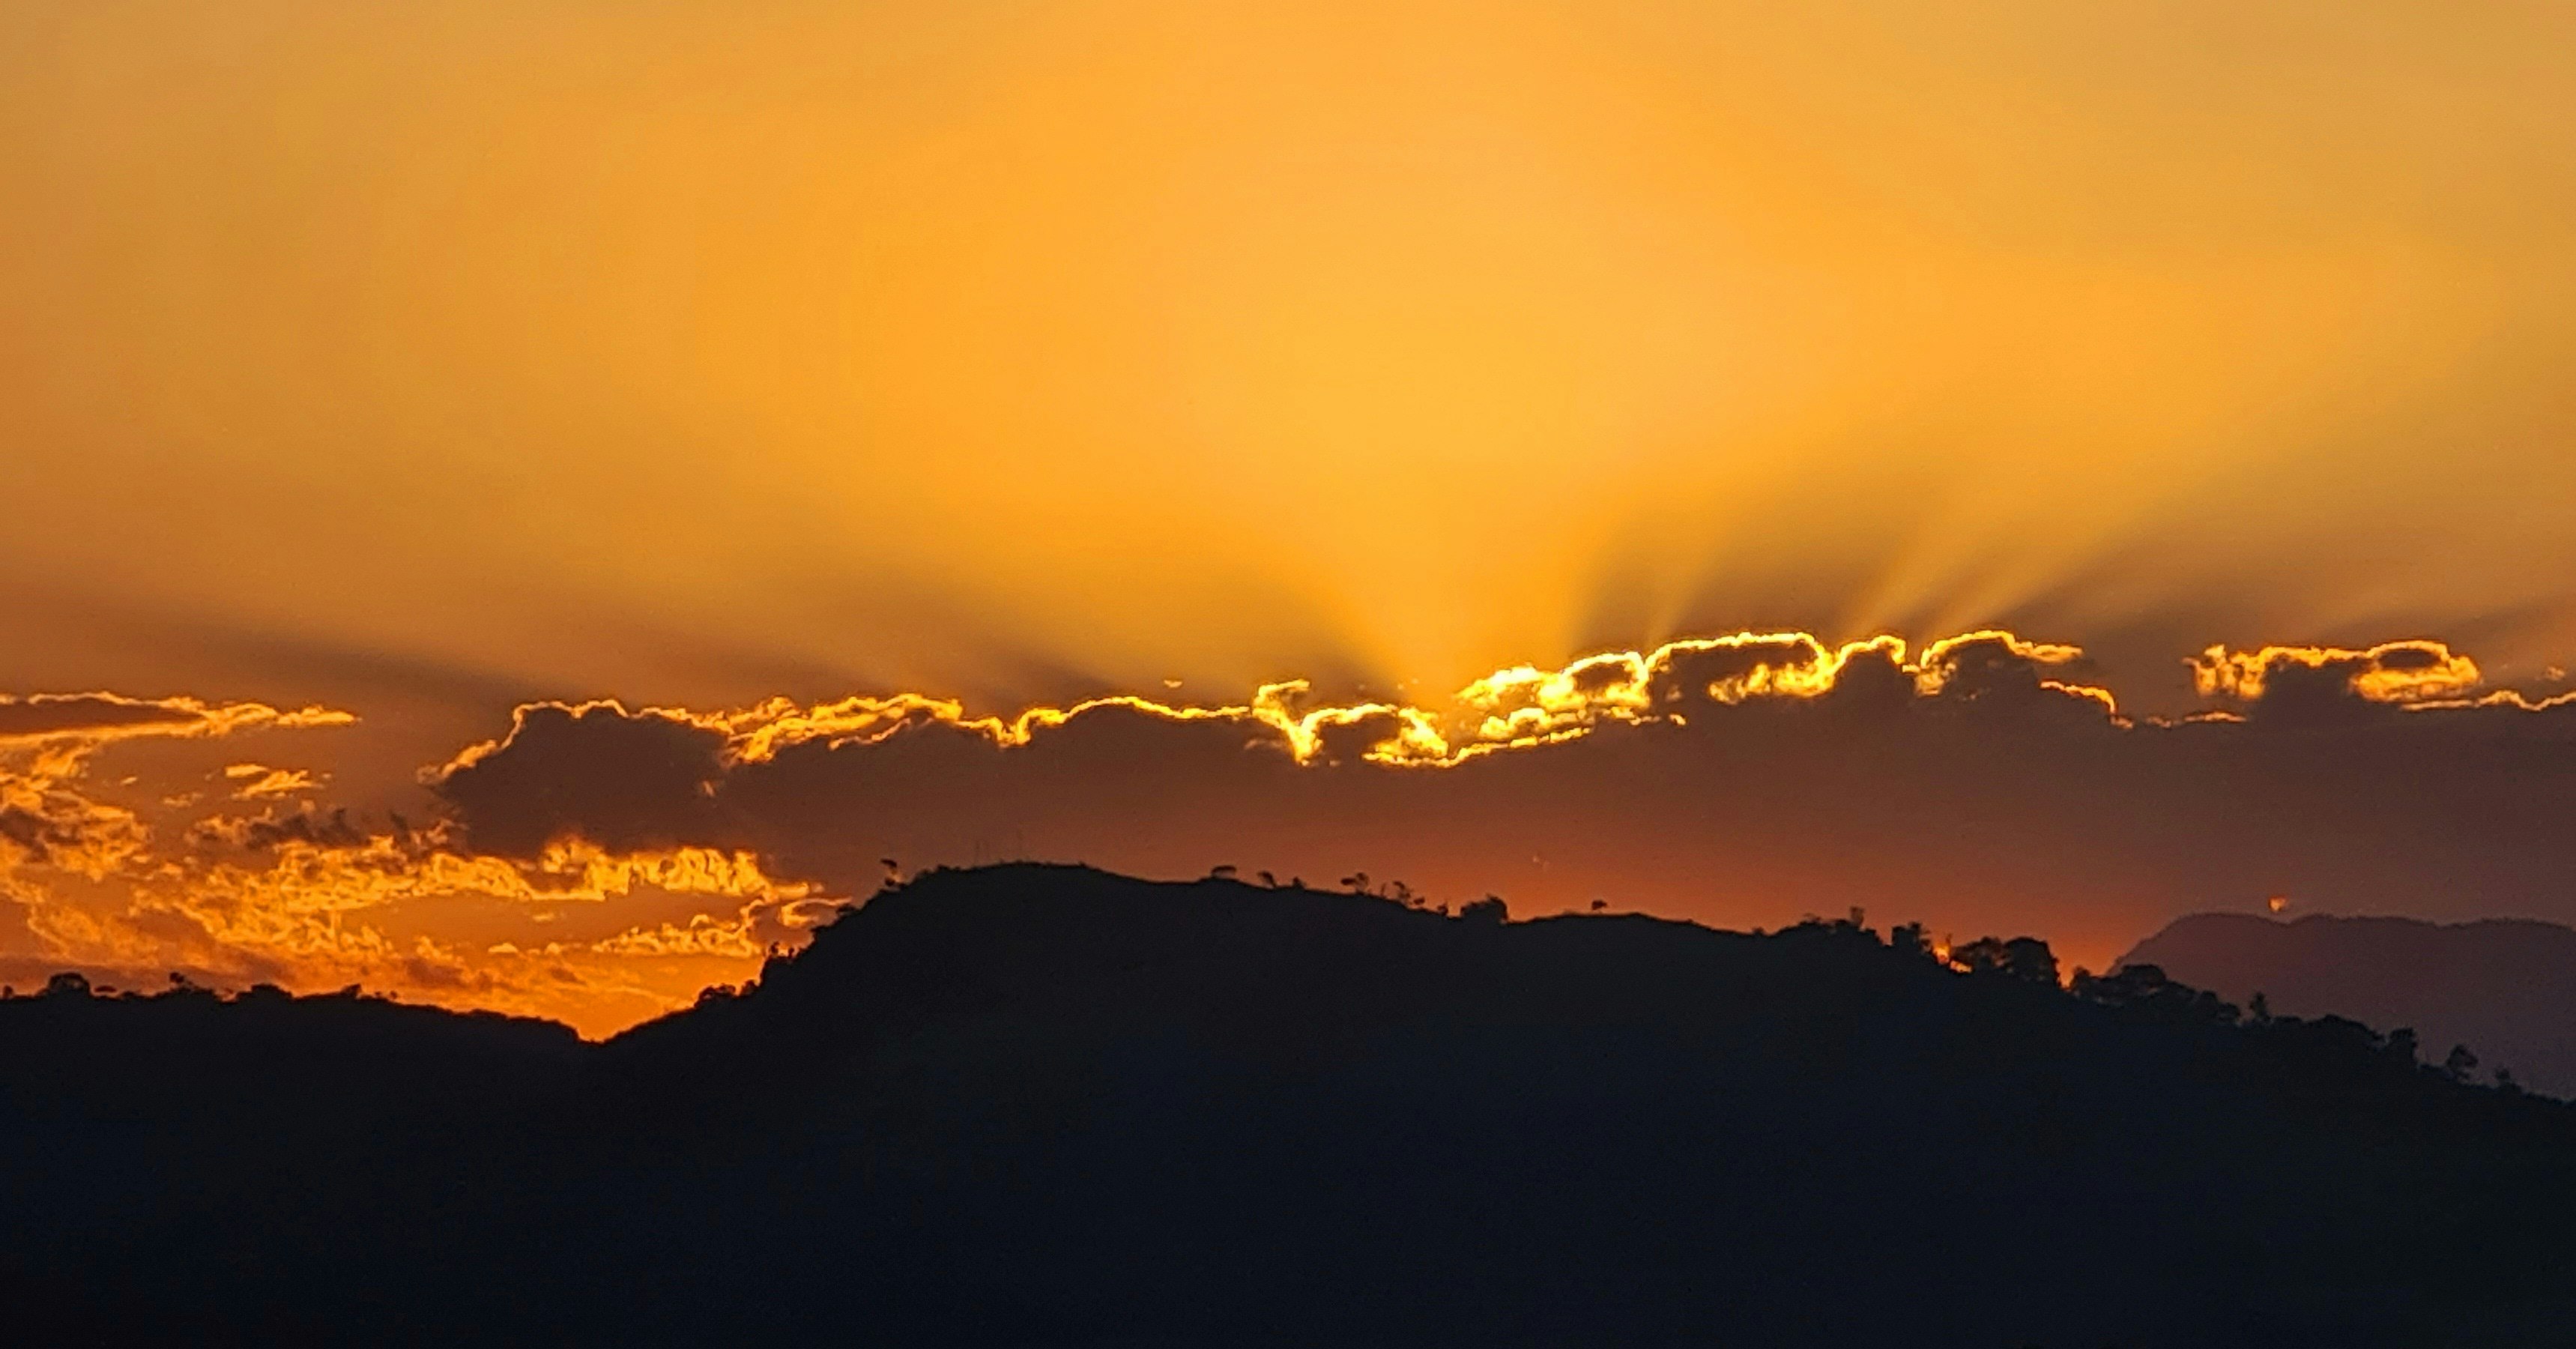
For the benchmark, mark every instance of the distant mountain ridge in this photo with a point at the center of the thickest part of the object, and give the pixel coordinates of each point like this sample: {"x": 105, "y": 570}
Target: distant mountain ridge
{"x": 2504, "y": 987}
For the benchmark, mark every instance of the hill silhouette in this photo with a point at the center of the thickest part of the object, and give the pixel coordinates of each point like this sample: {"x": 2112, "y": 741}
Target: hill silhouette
{"x": 2504, "y": 988}
{"x": 1044, "y": 1105}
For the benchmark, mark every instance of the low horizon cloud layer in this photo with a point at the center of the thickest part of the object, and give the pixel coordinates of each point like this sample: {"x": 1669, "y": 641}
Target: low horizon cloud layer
{"x": 601, "y": 864}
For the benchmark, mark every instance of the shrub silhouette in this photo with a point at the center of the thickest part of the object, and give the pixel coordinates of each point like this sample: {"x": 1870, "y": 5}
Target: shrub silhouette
{"x": 2025, "y": 958}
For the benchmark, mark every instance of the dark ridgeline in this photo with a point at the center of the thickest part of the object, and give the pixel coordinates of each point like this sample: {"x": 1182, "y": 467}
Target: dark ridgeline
{"x": 2505, "y": 988}
{"x": 1038, "y": 1105}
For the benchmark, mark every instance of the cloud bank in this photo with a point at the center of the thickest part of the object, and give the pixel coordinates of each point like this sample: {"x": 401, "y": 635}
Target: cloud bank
{"x": 602, "y": 864}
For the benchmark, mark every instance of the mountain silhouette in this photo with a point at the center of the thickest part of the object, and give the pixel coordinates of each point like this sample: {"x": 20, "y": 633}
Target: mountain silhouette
{"x": 1034, "y": 1105}
{"x": 2503, "y": 988}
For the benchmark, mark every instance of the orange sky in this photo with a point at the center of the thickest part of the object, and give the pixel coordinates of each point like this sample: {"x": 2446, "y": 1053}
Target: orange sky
{"x": 683, "y": 351}
{"x": 418, "y": 360}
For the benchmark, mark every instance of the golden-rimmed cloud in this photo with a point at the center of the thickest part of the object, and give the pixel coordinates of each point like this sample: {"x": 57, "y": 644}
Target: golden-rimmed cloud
{"x": 47, "y": 742}
{"x": 306, "y": 898}
{"x": 601, "y": 863}
{"x": 1984, "y": 777}
{"x": 2406, "y": 672}
{"x": 98, "y": 718}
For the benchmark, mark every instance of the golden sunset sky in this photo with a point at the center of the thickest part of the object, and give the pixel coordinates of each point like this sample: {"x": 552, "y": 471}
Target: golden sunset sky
{"x": 416, "y": 361}
{"x": 685, "y": 348}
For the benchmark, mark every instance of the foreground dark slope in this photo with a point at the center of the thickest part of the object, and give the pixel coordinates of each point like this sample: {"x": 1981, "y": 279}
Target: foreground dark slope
{"x": 2505, "y": 988}
{"x": 1032, "y": 1105}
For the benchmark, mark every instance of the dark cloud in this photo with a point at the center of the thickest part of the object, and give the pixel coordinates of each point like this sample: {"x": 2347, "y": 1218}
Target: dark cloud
{"x": 627, "y": 781}
{"x": 31, "y": 831}
{"x": 1981, "y": 786}
{"x": 272, "y": 828}
{"x": 88, "y": 713}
